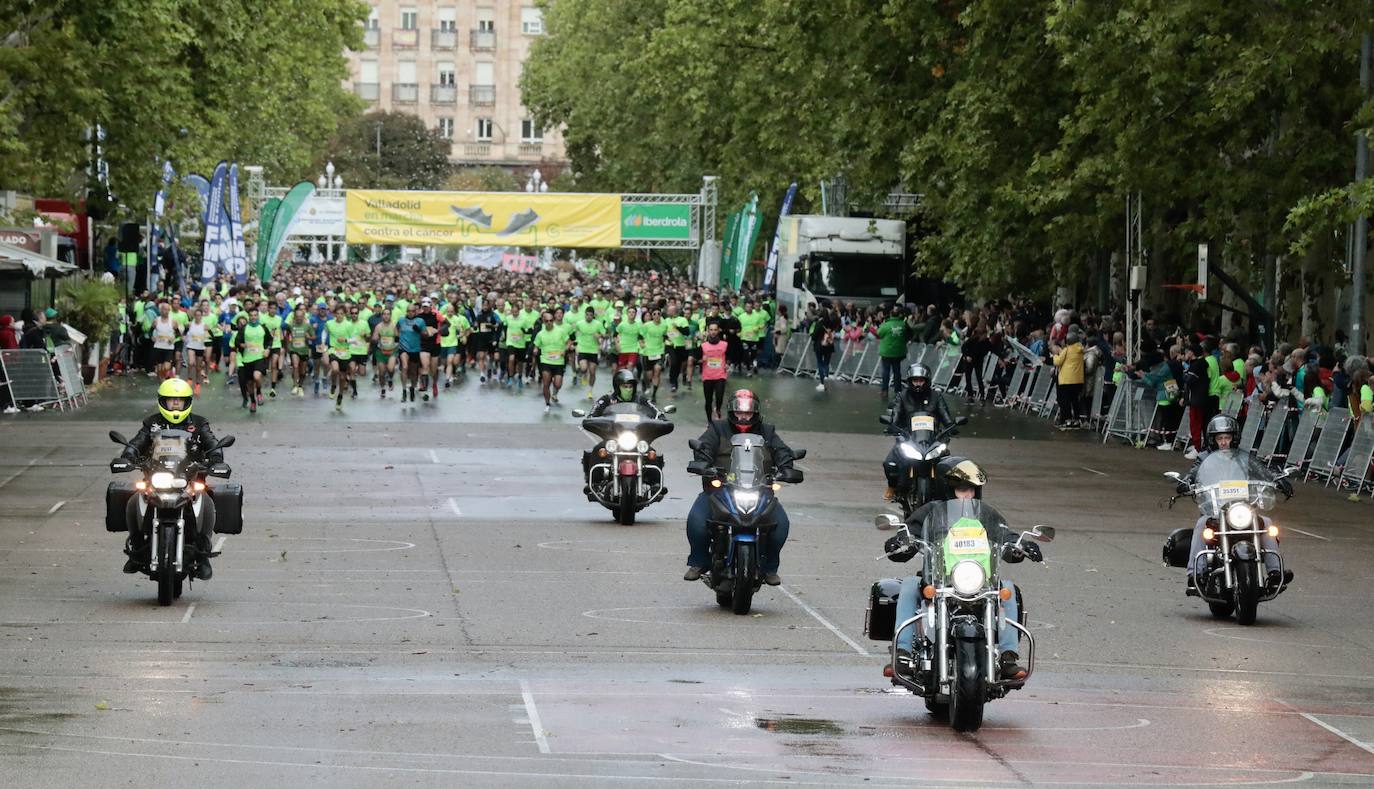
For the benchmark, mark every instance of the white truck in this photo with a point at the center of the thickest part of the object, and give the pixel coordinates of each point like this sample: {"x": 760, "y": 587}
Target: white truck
{"x": 840, "y": 259}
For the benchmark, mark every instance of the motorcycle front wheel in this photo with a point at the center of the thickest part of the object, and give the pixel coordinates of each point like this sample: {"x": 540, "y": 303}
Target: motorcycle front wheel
{"x": 966, "y": 702}
{"x": 166, "y": 571}
{"x": 744, "y": 584}
{"x": 1247, "y": 593}
{"x": 625, "y": 508}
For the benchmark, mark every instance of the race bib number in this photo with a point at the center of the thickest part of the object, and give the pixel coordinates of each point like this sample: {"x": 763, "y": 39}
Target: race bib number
{"x": 556, "y": 356}
{"x": 922, "y": 422}
{"x": 968, "y": 541}
{"x": 252, "y": 348}
{"x": 1233, "y": 489}
{"x": 715, "y": 364}
{"x": 629, "y": 419}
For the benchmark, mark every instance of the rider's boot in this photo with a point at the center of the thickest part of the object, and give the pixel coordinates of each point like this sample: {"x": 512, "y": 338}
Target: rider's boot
{"x": 692, "y": 574}
{"x": 136, "y": 550}
{"x": 1010, "y": 667}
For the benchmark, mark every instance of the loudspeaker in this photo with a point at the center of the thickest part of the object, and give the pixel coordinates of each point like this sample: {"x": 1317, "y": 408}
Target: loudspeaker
{"x": 130, "y": 237}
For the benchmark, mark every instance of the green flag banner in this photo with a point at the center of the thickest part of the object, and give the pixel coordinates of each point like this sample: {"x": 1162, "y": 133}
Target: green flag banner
{"x": 748, "y": 234}
{"x": 265, "y": 220}
{"x": 727, "y": 254}
{"x": 281, "y": 224}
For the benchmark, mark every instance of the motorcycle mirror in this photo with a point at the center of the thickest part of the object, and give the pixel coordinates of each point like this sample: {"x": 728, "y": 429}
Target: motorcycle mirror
{"x": 579, "y": 413}
{"x": 963, "y": 420}
{"x": 225, "y": 443}
{"x": 1173, "y": 475}
{"x": 670, "y": 409}
{"x": 887, "y": 522}
{"x": 884, "y": 420}
{"x": 1043, "y": 533}
{"x": 118, "y": 437}
{"x": 220, "y": 470}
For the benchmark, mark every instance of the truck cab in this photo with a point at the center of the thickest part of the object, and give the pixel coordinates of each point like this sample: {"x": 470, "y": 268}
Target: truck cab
{"x": 840, "y": 259}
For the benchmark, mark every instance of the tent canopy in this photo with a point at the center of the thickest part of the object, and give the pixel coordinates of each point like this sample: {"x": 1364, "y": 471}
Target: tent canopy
{"x": 38, "y": 266}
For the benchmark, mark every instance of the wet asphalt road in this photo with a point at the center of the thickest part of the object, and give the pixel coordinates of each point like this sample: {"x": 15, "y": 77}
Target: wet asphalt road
{"x": 422, "y": 597}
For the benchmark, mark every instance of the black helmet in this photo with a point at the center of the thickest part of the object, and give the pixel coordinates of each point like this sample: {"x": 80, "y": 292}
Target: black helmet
{"x": 743, "y": 411}
{"x": 1221, "y": 423}
{"x": 961, "y": 471}
{"x": 921, "y": 372}
{"x": 624, "y": 385}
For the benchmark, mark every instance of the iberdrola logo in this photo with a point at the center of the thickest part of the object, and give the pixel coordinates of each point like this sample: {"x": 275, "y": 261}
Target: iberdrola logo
{"x": 634, "y": 220}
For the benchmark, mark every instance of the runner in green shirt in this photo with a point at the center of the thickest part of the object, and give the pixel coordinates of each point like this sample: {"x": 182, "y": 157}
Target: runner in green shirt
{"x": 272, "y": 322}
{"x": 552, "y": 344}
{"x": 653, "y": 332}
{"x": 516, "y": 345}
{"x": 384, "y": 353}
{"x": 453, "y": 335}
{"x": 678, "y": 330}
{"x": 589, "y": 331}
{"x": 251, "y": 344}
{"x": 300, "y": 339}
{"x": 341, "y": 331}
{"x": 627, "y": 330}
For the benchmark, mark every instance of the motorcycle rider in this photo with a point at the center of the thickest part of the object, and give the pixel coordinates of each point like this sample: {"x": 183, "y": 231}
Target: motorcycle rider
{"x": 965, "y": 478}
{"x": 624, "y": 389}
{"x": 173, "y": 413}
{"x": 1222, "y": 431}
{"x": 917, "y": 397}
{"x": 743, "y": 415}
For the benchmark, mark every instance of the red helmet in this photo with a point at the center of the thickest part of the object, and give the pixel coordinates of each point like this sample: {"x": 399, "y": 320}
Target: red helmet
{"x": 743, "y": 411}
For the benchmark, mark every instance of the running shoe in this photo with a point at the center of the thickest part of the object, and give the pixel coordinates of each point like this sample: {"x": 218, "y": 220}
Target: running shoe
{"x": 547, "y": 408}
{"x": 412, "y": 394}
{"x": 425, "y": 397}
{"x": 482, "y": 378}
{"x": 252, "y": 406}
{"x": 260, "y": 398}
{"x": 272, "y": 393}
{"x": 554, "y": 398}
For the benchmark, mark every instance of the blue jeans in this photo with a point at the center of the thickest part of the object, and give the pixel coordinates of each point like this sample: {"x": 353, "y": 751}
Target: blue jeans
{"x": 892, "y": 368}
{"x": 823, "y": 363}
{"x": 910, "y": 602}
{"x": 699, "y": 537}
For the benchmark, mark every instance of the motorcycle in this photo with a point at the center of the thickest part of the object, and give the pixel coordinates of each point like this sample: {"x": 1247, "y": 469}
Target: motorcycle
{"x": 172, "y": 492}
{"x": 919, "y": 449}
{"x": 1232, "y": 491}
{"x": 626, "y": 472}
{"x": 743, "y": 513}
{"x": 954, "y": 659}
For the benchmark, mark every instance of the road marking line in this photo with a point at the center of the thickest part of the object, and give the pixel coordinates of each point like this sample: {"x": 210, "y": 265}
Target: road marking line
{"x": 11, "y": 477}
{"x": 1310, "y": 534}
{"x": 219, "y": 543}
{"x": 187, "y": 616}
{"x": 453, "y": 505}
{"x": 533, "y": 713}
{"x": 1095, "y": 471}
{"x": 57, "y": 506}
{"x": 1362, "y": 745}
{"x": 815, "y": 615}
{"x": 433, "y": 458}
{"x": 264, "y": 434}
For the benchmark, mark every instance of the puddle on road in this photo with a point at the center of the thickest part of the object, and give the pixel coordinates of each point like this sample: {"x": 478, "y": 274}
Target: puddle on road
{"x": 815, "y": 726}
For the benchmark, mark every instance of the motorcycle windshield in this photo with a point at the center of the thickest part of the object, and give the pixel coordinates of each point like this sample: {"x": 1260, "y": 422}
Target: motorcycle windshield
{"x": 956, "y": 533}
{"x": 750, "y": 461}
{"x": 621, "y": 417}
{"x": 1230, "y": 475}
{"x": 169, "y": 449}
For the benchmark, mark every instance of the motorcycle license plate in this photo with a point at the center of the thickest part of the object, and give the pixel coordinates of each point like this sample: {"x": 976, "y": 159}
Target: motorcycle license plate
{"x": 627, "y": 468}
{"x": 923, "y": 423}
{"x": 1233, "y": 489}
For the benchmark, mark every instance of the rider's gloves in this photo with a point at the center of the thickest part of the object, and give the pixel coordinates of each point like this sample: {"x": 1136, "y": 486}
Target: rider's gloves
{"x": 898, "y": 550}
{"x": 1183, "y": 488}
{"x": 1032, "y": 551}
{"x": 1012, "y": 554}
{"x": 1286, "y": 487}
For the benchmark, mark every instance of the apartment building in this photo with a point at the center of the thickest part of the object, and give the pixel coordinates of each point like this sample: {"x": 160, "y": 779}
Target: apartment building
{"x": 457, "y": 64}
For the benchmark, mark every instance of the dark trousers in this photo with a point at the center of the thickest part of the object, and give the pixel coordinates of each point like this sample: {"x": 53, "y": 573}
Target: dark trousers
{"x": 699, "y": 539}
{"x": 713, "y": 392}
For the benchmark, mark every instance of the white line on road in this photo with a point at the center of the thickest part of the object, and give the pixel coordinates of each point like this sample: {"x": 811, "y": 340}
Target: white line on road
{"x": 187, "y": 616}
{"x": 1310, "y": 534}
{"x": 219, "y": 543}
{"x": 533, "y": 713}
{"x": 1095, "y": 471}
{"x": 26, "y": 467}
{"x": 453, "y": 505}
{"x": 1362, "y": 745}
{"x": 57, "y": 506}
{"x": 433, "y": 458}
{"x": 815, "y": 615}
{"x": 264, "y": 434}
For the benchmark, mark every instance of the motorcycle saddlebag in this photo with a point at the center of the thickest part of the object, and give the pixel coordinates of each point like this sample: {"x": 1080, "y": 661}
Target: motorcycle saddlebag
{"x": 228, "y": 498}
{"x": 881, "y": 616}
{"x": 117, "y": 497}
{"x": 1176, "y": 547}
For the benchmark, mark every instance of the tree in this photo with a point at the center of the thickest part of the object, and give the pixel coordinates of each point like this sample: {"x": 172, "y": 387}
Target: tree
{"x": 257, "y": 81}
{"x": 483, "y": 179}
{"x": 411, "y": 156}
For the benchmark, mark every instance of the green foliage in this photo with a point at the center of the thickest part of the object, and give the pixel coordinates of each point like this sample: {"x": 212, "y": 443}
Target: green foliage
{"x": 483, "y": 179}
{"x": 89, "y": 306}
{"x": 412, "y": 156}
{"x": 248, "y": 80}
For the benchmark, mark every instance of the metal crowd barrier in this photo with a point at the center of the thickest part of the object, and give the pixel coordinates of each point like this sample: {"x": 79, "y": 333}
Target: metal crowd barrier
{"x": 1308, "y": 425}
{"x": 1355, "y": 469}
{"x": 29, "y": 376}
{"x": 1329, "y": 445}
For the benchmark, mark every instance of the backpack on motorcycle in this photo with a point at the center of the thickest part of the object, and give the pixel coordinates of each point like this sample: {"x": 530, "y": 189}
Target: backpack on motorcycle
{"x": 228, "y": 498}
{"x": 881, "y": 616}
{"x": 117, "y": 497}
{"x": 1176, "y": 547}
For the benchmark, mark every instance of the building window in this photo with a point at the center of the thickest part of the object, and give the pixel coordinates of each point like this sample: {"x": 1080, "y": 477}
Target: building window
{"x": 530, "y": 132}
{"x": 484, "y": 129}
{"x": 448, "y": 20}
{"x": 486, "y": 25}
{"x": 531, "y": 21}
{"x": 410, "y": 19}
{"x": 374, "y": 22}
{"x": 448, "y": 76}
{"x": 446, "y": 128}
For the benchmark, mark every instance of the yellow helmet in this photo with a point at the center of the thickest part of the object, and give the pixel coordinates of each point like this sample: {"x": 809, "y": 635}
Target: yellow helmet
{"x": 174, "y": 388}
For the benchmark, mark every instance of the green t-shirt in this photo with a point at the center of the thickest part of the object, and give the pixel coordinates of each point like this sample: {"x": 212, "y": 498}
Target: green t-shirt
{"x": 450, "y": 331}
{"x": 386, "y": 336}
{"x": 753, "y": 325}
{"x": 300, "y": 336}
{"x": 627, "y": 333}
{"x": 341, "y": 337}
{"x": 518, "y": 327}
{"x": 654, "y": 333}
{"x": 273, "y": 324}
{"x": 600, "y": 305}
{"x": 252, "y": 348}
{"x": 588, "y": 333}
{"x": 552, "y": 344}
{"x": 678, "y": 329}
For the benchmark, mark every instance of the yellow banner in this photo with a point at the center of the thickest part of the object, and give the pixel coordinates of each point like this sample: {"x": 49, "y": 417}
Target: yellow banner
{"x": 482, "y": 218}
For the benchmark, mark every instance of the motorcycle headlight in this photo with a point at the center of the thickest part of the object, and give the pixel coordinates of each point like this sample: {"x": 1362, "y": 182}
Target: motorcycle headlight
{"x": 612, "y": 446}
{"x": 967, "y": 577}
{"x": 746, "y": 500}
{"x": 642, "y": 446}
{"x": 626, "y": 440}
{"x": 908, "y": 451}
{"x": 163, "y": 480}
{"x": 1240, "y": 516}
{"x": 937, "y": 451}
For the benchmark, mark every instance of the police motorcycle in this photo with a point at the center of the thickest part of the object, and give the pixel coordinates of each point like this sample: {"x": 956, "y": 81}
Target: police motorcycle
{"x": 954, "y": 658}
{"x": 171, "y": 497}
{"x": 1232, "y": 491}
{"x": 920, "y": 448}
{"x": 743, "y": 512}
{"x": 626, "y": 472}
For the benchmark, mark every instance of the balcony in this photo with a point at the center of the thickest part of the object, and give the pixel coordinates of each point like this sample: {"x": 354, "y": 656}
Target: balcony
{"x": 372, "y": 37}
{"x": 368, "y": 91}
{"x": 443, "y": 39}
{"x": 405, "y": 93}
{"x": 481, "y": 95}
{"x": 476, "y": 149}
{"x": 405, "y": 39}
{"x": 530, "y": 148}
{"x": 443, "y": 94}
{"x": 483, "y": 40}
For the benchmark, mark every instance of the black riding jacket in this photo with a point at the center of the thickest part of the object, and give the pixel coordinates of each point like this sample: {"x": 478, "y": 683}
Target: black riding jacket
{"x": 197, "y": 426}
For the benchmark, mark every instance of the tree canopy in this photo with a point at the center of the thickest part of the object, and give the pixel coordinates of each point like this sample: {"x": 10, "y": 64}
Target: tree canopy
{"x": 411, "y": 155}
{"x": 257, "y": 81}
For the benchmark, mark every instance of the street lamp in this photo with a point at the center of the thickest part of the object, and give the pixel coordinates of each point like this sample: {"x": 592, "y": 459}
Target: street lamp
{"x": 535, "y": 183}
{"x": 328, "y": 180}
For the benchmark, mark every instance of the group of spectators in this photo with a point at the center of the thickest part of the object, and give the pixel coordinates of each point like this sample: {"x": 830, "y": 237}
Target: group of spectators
{"x": 35, "y": 330}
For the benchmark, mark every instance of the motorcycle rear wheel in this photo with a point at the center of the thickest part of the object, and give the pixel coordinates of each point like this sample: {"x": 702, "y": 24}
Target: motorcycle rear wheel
{"x": 1221, "y": 610}
{"x": 725, "y": 599}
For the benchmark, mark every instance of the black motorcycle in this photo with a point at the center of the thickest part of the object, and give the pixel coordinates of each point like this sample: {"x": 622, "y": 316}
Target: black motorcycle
{"x": 170, "y": 498}
{"x": 626, "y": 473}
{"x": 919, "y": 448}
{"x": 743, "y": 513}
